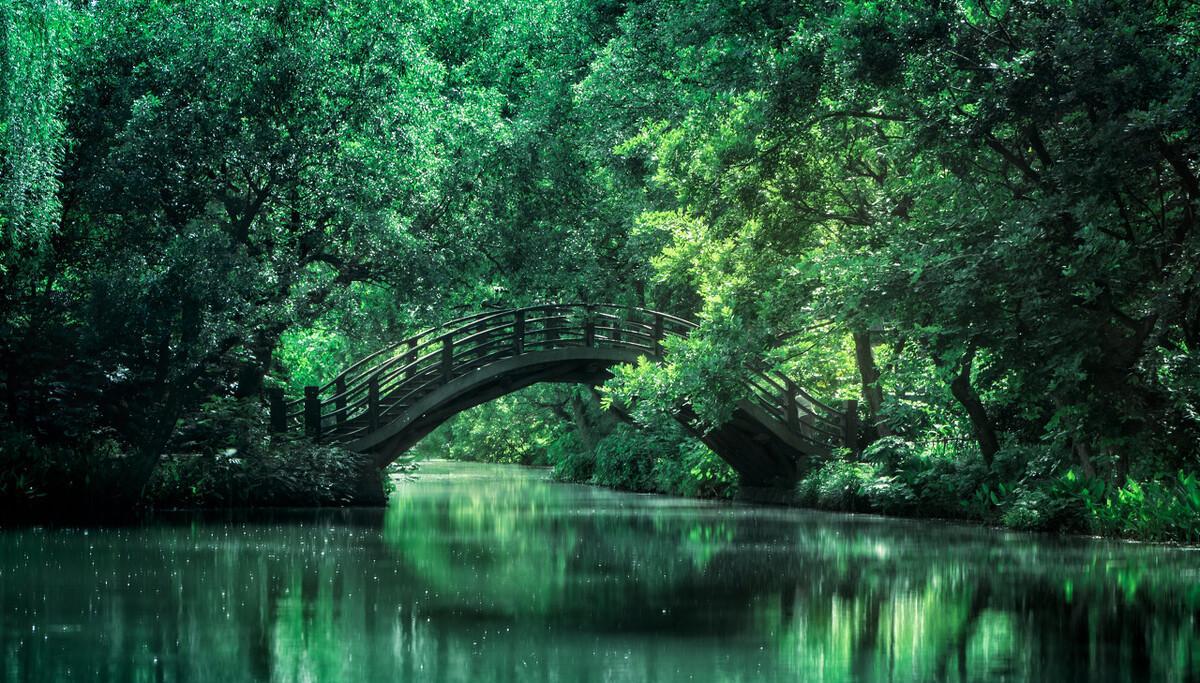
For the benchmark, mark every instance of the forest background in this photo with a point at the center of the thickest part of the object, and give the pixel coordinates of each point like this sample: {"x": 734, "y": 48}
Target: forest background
{"x": 978, "y": 218}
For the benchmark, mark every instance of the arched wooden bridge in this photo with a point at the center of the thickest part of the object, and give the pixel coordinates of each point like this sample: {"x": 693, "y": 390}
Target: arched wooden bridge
{"x": 384, "y": 403}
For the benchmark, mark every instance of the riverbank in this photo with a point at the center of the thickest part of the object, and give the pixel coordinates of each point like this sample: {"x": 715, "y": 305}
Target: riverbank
{"x": 1023, "y": 487}
{"x": 894, "y": 480}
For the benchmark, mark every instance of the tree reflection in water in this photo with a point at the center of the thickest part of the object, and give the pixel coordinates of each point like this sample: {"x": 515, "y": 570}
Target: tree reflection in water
{"x": 487, "y": 573}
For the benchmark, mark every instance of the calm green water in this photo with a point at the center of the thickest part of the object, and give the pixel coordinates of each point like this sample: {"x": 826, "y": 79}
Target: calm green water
{"x": 490, "y": 573}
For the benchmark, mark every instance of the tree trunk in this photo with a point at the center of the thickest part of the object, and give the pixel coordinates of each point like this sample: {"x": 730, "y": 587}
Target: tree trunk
{"x": 124, "y": 485}
{"x": 591, "y": 423}
{"x": 964, "y": 392}
{"x": 871, "y": 390}
{"x": 1084, "y": 453}
{"x": 252, "y": 373}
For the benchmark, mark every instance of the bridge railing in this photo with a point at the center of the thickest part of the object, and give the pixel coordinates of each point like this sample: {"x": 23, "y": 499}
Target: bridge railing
{"x": 379, "y": 387}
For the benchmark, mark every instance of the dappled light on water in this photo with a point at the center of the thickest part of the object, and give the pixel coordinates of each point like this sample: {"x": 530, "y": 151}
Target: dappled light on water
{"x": 494, "y": 573}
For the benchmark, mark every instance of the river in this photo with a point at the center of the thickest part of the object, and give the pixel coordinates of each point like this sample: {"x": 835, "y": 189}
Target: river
{"x": 481, "y": 573}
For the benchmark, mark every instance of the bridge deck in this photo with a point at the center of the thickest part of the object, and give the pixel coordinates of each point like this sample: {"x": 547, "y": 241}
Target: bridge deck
{"x": 411, "y": 384}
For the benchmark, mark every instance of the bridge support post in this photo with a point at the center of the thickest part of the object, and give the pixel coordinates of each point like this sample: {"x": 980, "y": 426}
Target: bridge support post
{"x": 410, "y": 358}
{"x": 373, "y": 402}
{"x": 850, "y": 425}
{"x": 589, "y": 326}
{"x": 519, "y": 333}
{"x": 278, "y": 409}
{"x": 339, "y": 401}
{"x": 447, "y": 358}
{"x": 658, "y": 334}
{"x": 789, "y": 404}
{"x": 312, "y": 413}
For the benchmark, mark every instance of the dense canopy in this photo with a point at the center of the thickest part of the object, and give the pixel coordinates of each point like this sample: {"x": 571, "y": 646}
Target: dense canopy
{"x": 978, "y": 218}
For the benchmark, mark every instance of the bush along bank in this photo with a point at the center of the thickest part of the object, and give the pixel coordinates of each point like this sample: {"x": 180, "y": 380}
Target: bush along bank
{"x": 648, "y": 461}
{"x": 222, "y": 456}
{"x": 225, "y": 457}
{"x": 1023, "y": 490}
{"x": 1032, "y": 488}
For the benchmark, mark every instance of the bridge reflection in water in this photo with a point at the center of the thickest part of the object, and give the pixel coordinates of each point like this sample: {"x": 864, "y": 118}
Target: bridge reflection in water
{"x": 386, "y": 402}
{"x": 480, "y": 573}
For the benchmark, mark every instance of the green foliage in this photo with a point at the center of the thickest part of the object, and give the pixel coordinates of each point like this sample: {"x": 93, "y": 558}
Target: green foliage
{"x": 57, "y": 479}
{"x": 896, "y": 477}
{"x": 529, "y": 427}
{"x": 1000, "y": 203}
{"x": 890, "y": 494}
{"x": 572, "y": 460}
{"x": 1166, "y": 508}
{"x": 704, "y": 372}
{"x": 225, "y": 457}
{"x": 662, "y": 460}
{"x": 977, "y": 188}
{"x": 626, "y": 459}
{"x": 569, "y": 430}
{"x": 838, "y": 485}
{"x": 696, "y": 471}
{"x": 36, "y": 38}
{"x": 1037, "y": 510}
{"x": 509, "y": 430}
{"x": 231, "y": 172}
{"x": 312, "y": 356}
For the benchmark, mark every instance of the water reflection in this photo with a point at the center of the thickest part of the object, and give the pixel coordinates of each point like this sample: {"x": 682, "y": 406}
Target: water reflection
{"x": 484, "y": 573}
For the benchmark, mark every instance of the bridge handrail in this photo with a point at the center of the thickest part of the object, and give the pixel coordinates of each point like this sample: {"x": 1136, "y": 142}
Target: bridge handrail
{"x": 392, "y": 347}
{"x": 469, "y": 321}
{"x": 388, "y": 378}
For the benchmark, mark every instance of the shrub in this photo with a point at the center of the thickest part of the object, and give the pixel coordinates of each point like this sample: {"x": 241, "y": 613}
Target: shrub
{"x": 661, "y": 459}
{"x": 509, "y": 430}
{"x": 950, "y": 487}
{"x": 625, "y": 459}
{"x": 1026, "y": 489}
{"x": 890, "y": 494}
{"x": 1163, "y": 509}
{"x": 572, "y": 462}
{"x": 890, "y": 452}
{"x": 899, "y": 478}
{"x": 838, "y": 485}
{"x": 27, "y": 470}
{"x": 1038, "y": 509}
{"x": 224, "y": 456}
{"x": 694, "y": 471}
{"x": 38, "y": 479}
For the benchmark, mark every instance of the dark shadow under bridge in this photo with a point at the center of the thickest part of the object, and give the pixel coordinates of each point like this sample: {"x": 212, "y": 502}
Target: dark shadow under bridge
{"x": 384, "y": 403}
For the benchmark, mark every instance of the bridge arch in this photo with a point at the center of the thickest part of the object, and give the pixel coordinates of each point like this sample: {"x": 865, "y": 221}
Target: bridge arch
{"x": 384, "y": 403}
